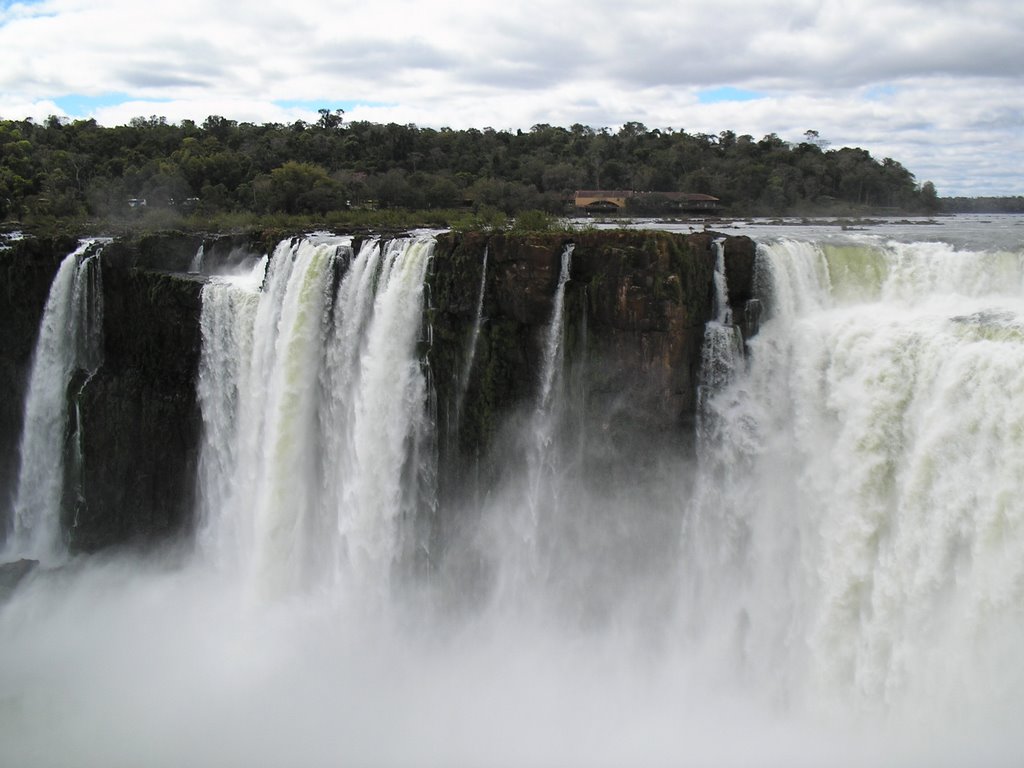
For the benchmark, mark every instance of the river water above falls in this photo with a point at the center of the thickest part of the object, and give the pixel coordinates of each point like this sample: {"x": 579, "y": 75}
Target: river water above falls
{"x": 835, "y": 578}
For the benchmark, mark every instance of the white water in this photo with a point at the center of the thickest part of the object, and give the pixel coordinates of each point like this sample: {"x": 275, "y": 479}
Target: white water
{"x": 721, "y": 353}
{"x": 849, "y": 583}
{"x": 69, "y": 339}
{"x": 859, "y": 531}
{"x": 313, "y": 405}
{"x": 542, "y": 455}
{"x": 197, "y": 261}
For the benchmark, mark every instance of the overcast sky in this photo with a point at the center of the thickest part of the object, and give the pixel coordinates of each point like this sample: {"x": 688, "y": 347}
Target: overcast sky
{"x": 935, "y": 84}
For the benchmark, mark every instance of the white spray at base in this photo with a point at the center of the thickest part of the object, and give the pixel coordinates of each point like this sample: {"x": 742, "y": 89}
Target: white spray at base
{"x": 857, "y": 536}
{"x": 70, "y": 339}
{"x": 313, "y": 403}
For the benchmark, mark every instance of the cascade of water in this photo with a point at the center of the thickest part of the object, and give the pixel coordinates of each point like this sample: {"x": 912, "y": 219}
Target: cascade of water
{"x": 353, "y": 311}
{"x": 197, "y": 261}
{"x": 474, "y": 336}
{"x": 541, "y": 454}
{"x": 722, "y": 349}
{"x": 259, "y": 394}
{"x": 323, "y": 412}
{"x": 839, "y": 504}
{"x": 723, "y": 312}
{"x": 227, "y": 323}
{"x": 70, "y": 339}
{"x": 389, "y": 425}
{"x": 551, "y": 364}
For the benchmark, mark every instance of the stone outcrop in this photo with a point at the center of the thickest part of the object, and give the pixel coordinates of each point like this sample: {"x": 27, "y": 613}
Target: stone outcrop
{"x": 635, "y": 309}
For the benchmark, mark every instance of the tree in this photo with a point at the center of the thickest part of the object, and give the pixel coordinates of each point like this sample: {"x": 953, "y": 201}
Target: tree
{"x": 302, "y": 188}
{"x": 330, "y": 120}
{"x": 929, "y": 197}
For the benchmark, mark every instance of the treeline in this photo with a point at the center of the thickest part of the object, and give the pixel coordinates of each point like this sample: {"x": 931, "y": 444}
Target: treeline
{"x": 982, "y": 204}
{"x": 61, "y": 169}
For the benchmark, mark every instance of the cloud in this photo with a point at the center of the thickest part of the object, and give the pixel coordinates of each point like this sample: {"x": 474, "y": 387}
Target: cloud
{"x": 933, "y": 84}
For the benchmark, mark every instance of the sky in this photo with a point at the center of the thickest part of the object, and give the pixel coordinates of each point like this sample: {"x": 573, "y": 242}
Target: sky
{"x": 936, "y": 84}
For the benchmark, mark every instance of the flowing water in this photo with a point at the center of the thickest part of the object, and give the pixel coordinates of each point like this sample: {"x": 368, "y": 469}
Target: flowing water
{"x": 842, "y": 582}
{"x": 474, "y": 338}
{"x": 313, "y": 402}
{"x": 862, "y": 486}
{"x": 196, "y": 265}
{"x": 69, "y": 340}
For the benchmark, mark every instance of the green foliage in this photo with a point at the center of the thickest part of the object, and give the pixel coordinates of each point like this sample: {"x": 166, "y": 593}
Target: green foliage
{"x": 982, "y": 204}
{"x": 929, "y": 197}
{"x": 300, "y": 188}
{"x": 66, "y": 170}
{"x": 533, "y": 221}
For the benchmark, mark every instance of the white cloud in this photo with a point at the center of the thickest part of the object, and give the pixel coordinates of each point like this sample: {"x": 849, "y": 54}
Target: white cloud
{"x": 933, "y": 84}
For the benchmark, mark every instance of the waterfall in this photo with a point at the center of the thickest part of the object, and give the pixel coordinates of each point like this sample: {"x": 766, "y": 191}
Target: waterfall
{"x": 861, "y": 493}
{"x": 227, "y": 324}
{"x": 723, "y": 313}
{"x": 474, "y": 336}
{"x": 70, "y": 339}
{"x": 379, "y": 471}
{"x": 551, "y": 365}
{"x": 722, "y": 349}
{"x": 542, "y": 454}
{"x": 313, "y": 404}
{"x": 197, "y": 261}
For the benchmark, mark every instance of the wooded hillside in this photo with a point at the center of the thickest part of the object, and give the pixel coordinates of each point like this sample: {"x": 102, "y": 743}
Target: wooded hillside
{"x": 78, "y": 169}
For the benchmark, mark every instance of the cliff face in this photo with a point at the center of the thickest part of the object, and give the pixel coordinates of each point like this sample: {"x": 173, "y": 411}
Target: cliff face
{"x": 635, "y": 308}
{"x": 139, "y": 418}
{"x": 636, "y": 305}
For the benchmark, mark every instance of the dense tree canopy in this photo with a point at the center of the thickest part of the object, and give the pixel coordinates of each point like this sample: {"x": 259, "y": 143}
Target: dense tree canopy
{"x": 62, "y": 168}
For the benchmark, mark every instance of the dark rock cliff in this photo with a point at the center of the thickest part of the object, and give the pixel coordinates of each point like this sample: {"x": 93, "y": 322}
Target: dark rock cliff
{"x": 139, "y": 418}
{"x": 635, "y": 309}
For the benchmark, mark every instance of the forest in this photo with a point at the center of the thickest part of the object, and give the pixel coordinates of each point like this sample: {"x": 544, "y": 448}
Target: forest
{"x": 79, "y": 171}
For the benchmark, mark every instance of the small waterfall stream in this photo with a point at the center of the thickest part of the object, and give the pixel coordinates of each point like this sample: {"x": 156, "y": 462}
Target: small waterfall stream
{"x": 722, "y": 350}
{"x": 474, "y": 337}
{"x": 197, "y": 261}
{"x": 542, "y": 454}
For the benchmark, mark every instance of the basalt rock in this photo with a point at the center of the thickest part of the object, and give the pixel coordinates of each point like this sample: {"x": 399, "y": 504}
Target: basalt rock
{"x": 138, "y": 418}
